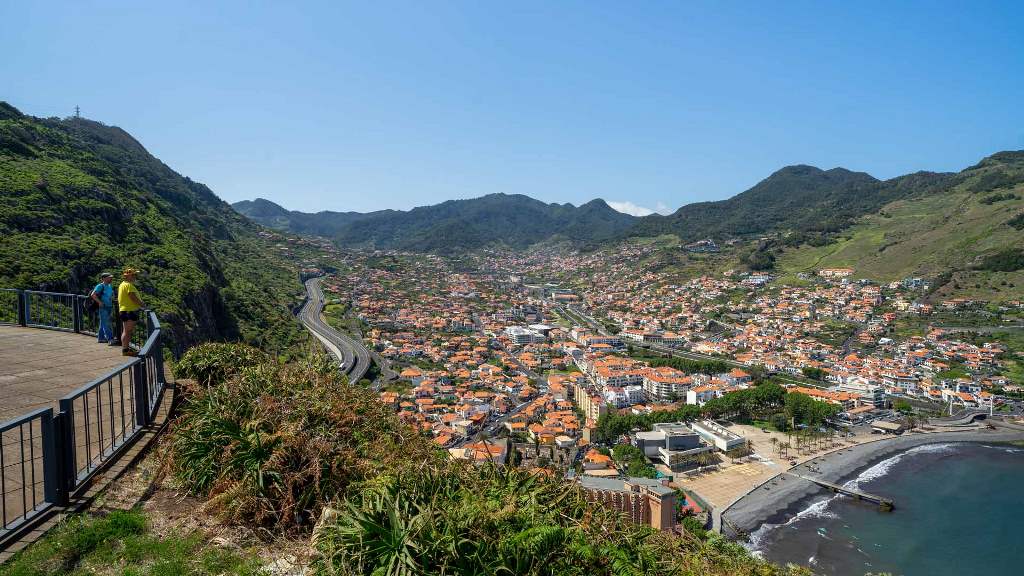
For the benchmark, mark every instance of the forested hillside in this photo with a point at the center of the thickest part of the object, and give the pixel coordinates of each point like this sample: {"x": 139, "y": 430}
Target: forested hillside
{"x": 325, "y": 223}
{"x": 515, "y": 221}
{"x": 80, "y": 197}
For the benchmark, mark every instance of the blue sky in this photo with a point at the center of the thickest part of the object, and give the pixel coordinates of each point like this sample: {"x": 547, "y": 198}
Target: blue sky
{"x": 371, "y": 105}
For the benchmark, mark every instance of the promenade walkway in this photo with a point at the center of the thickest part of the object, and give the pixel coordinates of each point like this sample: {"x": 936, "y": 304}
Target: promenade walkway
{"x": 38, "y": 367}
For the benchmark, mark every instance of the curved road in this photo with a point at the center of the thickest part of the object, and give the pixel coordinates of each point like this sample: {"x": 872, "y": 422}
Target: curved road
{"x": 355, "y": 356}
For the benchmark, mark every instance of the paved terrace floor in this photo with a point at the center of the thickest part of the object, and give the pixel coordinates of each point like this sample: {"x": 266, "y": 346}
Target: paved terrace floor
{"x": 38, "y": 367}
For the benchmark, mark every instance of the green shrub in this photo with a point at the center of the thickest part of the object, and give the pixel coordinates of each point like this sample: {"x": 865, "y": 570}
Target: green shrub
{"x": 1008, "y": 260}
{"x": 212, "y": 363}
{"x": 992, "y": 199}
{"x": 271, "y": 445}
{"x": 694, "y": 527}
{"x": 457, "y": 519}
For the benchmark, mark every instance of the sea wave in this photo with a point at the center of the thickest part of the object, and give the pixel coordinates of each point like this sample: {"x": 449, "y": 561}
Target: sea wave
{"x": 1007, "y": 449}
{"x": 882, "y": 468}
{"x": 819, "y": 509}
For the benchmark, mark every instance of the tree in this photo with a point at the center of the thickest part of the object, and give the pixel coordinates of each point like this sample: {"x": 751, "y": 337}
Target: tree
{"x": 780, "y": 422}
{"x": 911, "y": 421}
{"x": 813, "y": 373}
{"x": 641, "y": 470}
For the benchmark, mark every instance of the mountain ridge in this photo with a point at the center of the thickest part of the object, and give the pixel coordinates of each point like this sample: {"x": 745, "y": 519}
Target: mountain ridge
{"x": 515, "y": 220}
{"x": 793, "y": 198}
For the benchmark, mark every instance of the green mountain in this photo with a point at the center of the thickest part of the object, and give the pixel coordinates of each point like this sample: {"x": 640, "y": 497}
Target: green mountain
{"x": 968, "y": 231}
{"x": 80, "y": 197}
{"x": 325, "y": 223}
{"x": 811, "y": 202}
{"x": 515, "y": 220}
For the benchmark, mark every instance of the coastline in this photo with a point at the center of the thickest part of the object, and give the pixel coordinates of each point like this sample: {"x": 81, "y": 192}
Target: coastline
{"x": 784, "y": 496}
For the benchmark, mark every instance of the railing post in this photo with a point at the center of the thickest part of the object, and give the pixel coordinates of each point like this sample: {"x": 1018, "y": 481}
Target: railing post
{"x": 65, "y": 453}
{"x": 139, "y": 378}
{"x": 159, "y": 351}
{"x": 117, "y": 322}
{"x": 76, "y": 314}
{"x": 22, "y": 308}
{"x": 51, "y": 459}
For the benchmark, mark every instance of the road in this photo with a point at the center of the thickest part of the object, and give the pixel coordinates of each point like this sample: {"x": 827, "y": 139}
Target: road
{"x": 352, "y": 353}
{"x": 492, "y": 426}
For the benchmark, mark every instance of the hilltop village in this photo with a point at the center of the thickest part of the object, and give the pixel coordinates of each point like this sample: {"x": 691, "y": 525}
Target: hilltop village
{"x": 628, "y": 380}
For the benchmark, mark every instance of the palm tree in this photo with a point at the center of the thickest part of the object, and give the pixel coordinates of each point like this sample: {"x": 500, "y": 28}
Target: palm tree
{"x": 775, "y": 443}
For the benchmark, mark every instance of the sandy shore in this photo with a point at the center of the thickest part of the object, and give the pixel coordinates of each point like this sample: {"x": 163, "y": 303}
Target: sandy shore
{"x": 784, "y": 495}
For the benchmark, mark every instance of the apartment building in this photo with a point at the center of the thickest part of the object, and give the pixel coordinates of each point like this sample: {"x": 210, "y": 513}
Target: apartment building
{"x": 522, "y": 335}
{"x": 666, "y": 383}
{"x": 641, "y": 500}
{"x": 624, "y": 396}
{"x": 591, "y": 403}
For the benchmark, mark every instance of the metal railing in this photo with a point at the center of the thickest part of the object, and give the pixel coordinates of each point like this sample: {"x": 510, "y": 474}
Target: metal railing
{"x": 64, "y": 312}
{"x": 45, "y": 457}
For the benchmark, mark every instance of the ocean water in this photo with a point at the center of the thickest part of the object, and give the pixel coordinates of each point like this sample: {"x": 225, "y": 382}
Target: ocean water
{"x": 959, "y": 510}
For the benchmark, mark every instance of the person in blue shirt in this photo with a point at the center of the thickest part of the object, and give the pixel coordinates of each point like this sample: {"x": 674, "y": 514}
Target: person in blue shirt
{"x": 103, "y": 294}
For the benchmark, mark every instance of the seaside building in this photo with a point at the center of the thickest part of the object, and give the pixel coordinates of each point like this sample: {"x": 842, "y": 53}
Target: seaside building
{"x": 589, "y": 401}
{"x": 666, "y": 383}
{"x": 718, "y": 436}
{"x": 641, "y": 500}
{"x": 673, "y": 444}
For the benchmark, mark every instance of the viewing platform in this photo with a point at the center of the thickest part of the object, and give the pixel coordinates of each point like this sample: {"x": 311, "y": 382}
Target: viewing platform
{"x": 39, "y": 367}
{"x": 73, "y": 411}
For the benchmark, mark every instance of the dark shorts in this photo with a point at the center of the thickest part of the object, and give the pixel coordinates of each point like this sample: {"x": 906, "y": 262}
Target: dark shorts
{"x": 132, "y": 316}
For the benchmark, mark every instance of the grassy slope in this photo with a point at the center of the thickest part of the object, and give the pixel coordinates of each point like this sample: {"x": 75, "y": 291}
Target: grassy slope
{"x": 121, "y": 543}
{"x": 926, "y": 237}
{"x": 79, "y": 197}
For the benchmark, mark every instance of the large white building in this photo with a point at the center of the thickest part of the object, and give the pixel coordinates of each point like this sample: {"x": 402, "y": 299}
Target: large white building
{"x": 717, "y": 435}
{"x": 673, "y": 444}
{"x": 623, "y": 396}
{"x": 522, "y": 335}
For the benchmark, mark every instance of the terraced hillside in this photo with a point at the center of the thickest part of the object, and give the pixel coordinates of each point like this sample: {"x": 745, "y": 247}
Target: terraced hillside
{"x": 971, "y": 235}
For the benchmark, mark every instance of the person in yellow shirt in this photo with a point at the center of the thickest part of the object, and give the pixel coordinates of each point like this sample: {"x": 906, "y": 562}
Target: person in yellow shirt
{"x": 129, "y": 302}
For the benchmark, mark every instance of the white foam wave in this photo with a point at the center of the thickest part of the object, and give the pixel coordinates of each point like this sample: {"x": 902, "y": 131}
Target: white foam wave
{"x": 883, "y": 467}
{"x": 1005, "y": 449}
{"x": 820, "y": 509}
